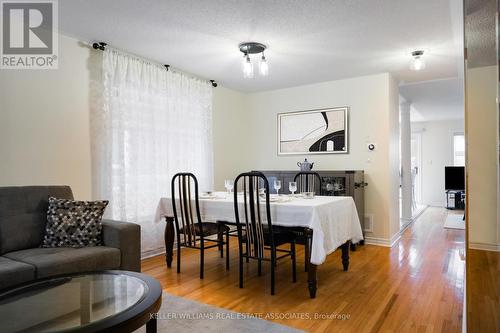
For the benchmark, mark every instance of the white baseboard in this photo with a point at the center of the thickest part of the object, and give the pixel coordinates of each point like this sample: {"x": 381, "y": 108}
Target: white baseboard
{"x": 420, "y": 212}
{"x": 161, "y": 250}
{"x": 484, "y": 246}
{"x": 378, "y": 241}
{"x": 394, "y": 239}
{"x": 436, "y": 204}
{"x": 152, "y": 253}
{"x": 405, "y": 223}
{"x": 383, "y": 241}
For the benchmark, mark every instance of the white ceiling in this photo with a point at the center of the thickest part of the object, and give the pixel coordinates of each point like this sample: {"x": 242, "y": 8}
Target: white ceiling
{"x": 435, "y": 100}
{"x": 309, "y": 41}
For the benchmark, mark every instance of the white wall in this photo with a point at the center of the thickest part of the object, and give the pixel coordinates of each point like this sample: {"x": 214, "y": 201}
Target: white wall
{"x": 437, "y": 152}
{"x": 482, "y": 157}
{"x": 394, "y": 160}
{"x": 406, "y": 175}
{"x": 373, "y": 102}
{"x": 44, "y": 123}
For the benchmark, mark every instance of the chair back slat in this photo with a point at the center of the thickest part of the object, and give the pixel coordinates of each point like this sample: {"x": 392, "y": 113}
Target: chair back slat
{"x": 186, "y": 218}
{"x": 256, "y": 213}
{"x": 181, "y": 206}
{"x": 308, "y": 181}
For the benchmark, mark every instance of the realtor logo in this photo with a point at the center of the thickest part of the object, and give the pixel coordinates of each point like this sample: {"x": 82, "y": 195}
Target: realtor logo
{"x": 29, "y": 35}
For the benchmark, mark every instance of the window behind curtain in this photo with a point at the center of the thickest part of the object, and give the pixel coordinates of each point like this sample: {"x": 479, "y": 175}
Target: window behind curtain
{"x": 458, "y": 149}
{"x": 150, "y": 124}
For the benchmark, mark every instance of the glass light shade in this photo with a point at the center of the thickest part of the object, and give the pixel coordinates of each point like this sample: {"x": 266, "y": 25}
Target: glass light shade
{"x": 247, "y": 68}
{"x": 263, "y": 66}
{"x": 417, "y": 63}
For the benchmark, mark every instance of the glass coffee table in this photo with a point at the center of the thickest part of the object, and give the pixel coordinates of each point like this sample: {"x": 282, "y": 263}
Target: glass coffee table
{"x": 111, "y": 301}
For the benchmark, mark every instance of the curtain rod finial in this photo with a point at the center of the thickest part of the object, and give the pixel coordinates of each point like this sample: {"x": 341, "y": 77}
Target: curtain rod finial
{"x": 214, "y": 84}
{"x": 99, "y": 46}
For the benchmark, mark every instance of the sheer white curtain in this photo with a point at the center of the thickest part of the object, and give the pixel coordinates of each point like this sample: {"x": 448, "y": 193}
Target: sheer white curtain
{"x": 151, "y": 123}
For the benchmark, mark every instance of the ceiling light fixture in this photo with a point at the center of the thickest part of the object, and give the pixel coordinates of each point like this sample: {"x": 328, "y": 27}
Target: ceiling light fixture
{"x": 417, "y": 63}
{"x": 247, "y": 67}
{"x": 247, "y": 49}
{"x": 263, "y": 66}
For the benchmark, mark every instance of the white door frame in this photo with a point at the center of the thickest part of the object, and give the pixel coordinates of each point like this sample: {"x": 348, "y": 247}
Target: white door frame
{"x": 419, "y": 183}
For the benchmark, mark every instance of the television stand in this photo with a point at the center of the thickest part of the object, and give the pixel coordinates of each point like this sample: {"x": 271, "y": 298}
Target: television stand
{"x": 455, "y": 199}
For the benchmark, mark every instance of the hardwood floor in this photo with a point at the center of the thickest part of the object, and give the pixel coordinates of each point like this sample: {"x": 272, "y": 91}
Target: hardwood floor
{"x": 416, "y": 286}
{"x": 483, "y": 298}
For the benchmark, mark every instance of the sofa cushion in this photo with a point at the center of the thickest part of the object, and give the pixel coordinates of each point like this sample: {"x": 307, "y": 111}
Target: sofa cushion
{"x": 23, "y": 215}
{"x": 73, "y": 223}
{"x": 14, "y": 272}
{"x": 64, "y": 260}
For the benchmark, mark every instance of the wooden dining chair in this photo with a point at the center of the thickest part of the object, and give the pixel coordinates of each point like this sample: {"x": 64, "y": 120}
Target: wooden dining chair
{"x": 188, "y": 222}
{"x": 307, "y": 181}
{"x": 258, "y": 239}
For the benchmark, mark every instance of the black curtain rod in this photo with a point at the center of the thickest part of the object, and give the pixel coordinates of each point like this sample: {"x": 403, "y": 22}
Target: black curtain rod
{"x": 102, "y": 46}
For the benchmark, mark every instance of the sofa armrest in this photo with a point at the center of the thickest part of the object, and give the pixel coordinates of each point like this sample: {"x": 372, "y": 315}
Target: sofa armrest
{"x": 125, "y": 236}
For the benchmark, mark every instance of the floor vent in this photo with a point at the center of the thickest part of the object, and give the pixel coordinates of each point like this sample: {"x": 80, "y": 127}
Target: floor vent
{"x": 368, "y": 223}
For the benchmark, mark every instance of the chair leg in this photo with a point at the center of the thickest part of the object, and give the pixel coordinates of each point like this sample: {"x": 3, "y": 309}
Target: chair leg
{"x": 273, "y": 270}
{"x": 220, "y": 240}
{"x": 227, "y": 250}
{"x": 178, "y": 257}
{"x": 306, "y": 253}
{"x": 202, "y": 260}
{"x": 260, "y": 267}
{"x": 294, "y": 262}
{"x": 241, "y": 271}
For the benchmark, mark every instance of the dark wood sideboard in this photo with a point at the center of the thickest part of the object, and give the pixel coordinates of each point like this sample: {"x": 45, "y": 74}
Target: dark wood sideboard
{"x": 334, "y": 182}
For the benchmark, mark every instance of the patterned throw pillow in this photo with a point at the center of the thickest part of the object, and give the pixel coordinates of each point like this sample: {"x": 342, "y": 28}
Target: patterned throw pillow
{"x": 73, "y": 223}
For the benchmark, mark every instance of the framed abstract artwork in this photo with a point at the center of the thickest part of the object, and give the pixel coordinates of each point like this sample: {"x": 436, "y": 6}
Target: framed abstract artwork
{"x": 323, "y": 131}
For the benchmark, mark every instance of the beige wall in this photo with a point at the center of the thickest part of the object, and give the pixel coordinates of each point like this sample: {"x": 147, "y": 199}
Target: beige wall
{"x": 230, "y": 133}
{"x": 373, "y": 102}
{"x": 45, "y": 136}
{"x": 45, "y": 131}
{"x": 44, "y": 123}
{"x": 482, "y": 156}
{"x": 394, "y": 160}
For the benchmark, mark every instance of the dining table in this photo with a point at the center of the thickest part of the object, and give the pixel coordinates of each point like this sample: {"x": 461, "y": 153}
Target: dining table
{"x": 331, "y": 221}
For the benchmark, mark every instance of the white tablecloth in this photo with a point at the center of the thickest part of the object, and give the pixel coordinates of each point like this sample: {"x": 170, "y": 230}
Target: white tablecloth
{"x": 334, "y": 220}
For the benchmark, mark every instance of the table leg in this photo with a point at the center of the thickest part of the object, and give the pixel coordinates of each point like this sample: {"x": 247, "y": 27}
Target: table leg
{"x": 169, "y": 240}
{"x": 312, "y": 282}
{"x": 345, "y": 255}
{"x": 151, "y": 326}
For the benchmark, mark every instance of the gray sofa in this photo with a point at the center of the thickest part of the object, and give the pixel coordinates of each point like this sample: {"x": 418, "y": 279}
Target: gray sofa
{"x": 22, "y": 227}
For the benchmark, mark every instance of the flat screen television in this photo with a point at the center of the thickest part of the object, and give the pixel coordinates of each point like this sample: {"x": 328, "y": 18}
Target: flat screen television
{"x": 454, "y": 178}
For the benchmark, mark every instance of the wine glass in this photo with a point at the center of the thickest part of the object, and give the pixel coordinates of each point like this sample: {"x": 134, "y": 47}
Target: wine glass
{"x": 228, "y": 184}
{"x": 277, "y": 186}
{"x": 292, "y": 186}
